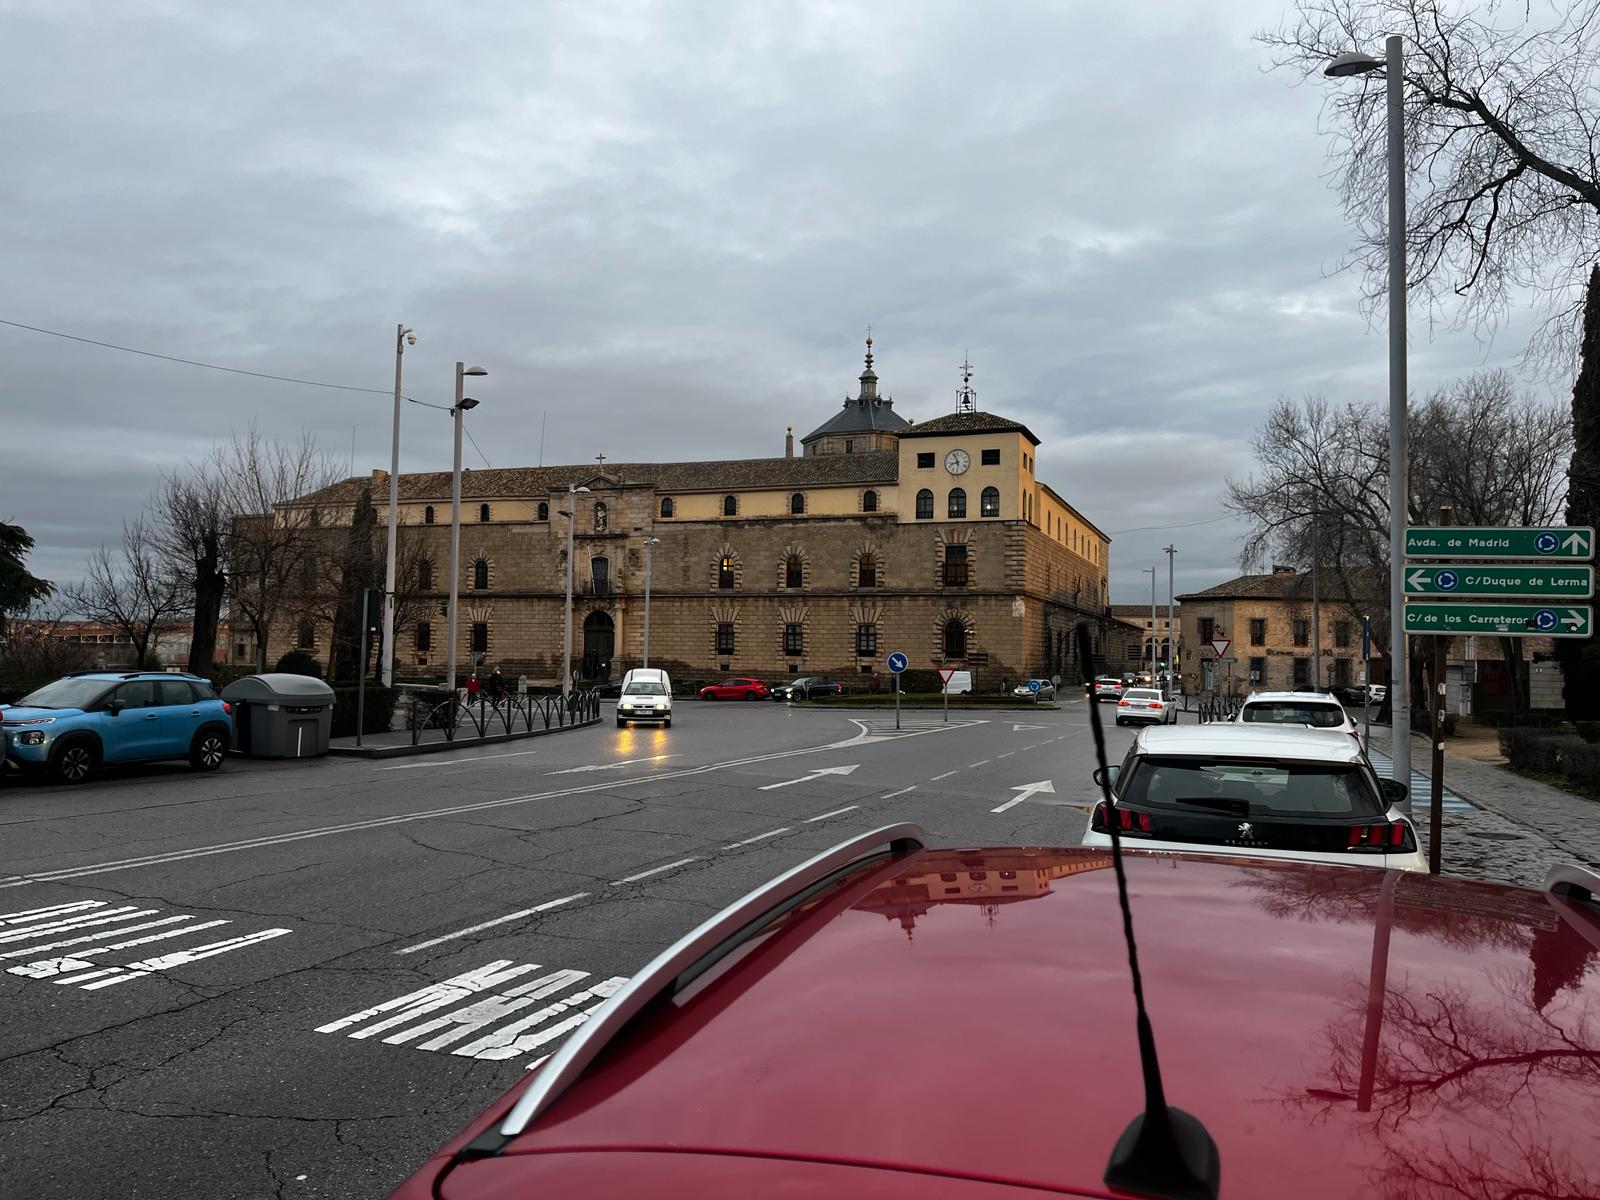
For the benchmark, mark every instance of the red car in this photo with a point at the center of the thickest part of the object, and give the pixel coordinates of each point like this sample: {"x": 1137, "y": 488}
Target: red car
{"x": 735, "y": 689}
{"x": 892, "y": 1021}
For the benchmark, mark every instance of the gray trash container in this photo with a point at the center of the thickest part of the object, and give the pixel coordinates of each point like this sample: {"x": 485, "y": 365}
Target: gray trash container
{"x": 280, "y": 716}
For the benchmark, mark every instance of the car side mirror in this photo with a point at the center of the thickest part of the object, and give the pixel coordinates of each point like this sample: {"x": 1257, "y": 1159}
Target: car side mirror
{"x": 1106, "y": 776}
{"x": 116, "y": 706}
{"x": 1394, "y": 792}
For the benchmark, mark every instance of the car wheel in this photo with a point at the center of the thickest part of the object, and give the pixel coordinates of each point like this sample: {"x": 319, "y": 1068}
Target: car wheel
{"x": 208, "y": 751}
{"x": 621, "y": 724}
{"x": 667, "y": 723}
{"x": 74, "y": 762}
{"x": 708, "y": 695}
{"x": 749, "y": 695}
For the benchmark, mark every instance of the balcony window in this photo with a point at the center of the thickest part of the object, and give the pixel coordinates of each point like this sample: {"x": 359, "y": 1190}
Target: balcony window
{"x": 957, "y": 504}
{"x": 794, "y": 639}
{"x": 725, "y": 637}
{"x": 866, "y": 641}
{"x": 990, "y": 502}
{"x": 955, "y": 566}
{"x": 725, "y": 575}
{"x": 925, "y": 505}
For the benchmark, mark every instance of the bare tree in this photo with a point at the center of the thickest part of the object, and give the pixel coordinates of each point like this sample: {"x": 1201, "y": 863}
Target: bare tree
{"x": 270, "y": 538}
{"x": 192, "y": 523}
{"x": 35, "y": 647}
{"x": 132, "y": 589}
{"x": 1501, "y": 112}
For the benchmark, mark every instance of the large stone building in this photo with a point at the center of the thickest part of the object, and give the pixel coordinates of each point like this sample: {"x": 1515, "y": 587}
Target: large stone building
{"x": 933, "y": 538}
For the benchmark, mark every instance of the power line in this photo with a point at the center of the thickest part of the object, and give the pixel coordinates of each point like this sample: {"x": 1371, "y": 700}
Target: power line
{"x": 190, "y": 362}
{"x": 1185, "y": 525}
{"x": 474, "y": 442}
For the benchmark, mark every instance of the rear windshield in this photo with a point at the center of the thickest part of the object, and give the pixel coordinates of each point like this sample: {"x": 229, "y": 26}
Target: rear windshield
{"x": 1319, "y": 715}
{"x": 1142, "y": 694}
{"x": 67, "y": 693}
{"x": 1268, "y": 788}
{"x": 644, "y": 689}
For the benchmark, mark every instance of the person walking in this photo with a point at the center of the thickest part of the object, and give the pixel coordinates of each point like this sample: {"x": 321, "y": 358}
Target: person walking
{"x": 474, "y": 688}
{"x": 497, "y": 687}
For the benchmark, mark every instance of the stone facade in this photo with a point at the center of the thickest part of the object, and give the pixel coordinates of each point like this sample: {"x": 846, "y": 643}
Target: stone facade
{"x": 821, "y": 564}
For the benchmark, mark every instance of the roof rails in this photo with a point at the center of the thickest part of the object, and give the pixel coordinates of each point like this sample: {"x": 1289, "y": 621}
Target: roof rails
{"x": 1572, "y": 882}
{"x": 720, "y": 933}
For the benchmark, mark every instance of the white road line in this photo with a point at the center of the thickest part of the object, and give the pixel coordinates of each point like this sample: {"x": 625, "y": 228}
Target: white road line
{"x": 901, "y": 792}
{"x": 53, "y": 910}
{"x": 946, "y": 775}
{"x": 96, "y": 916}
{"x": 838, "y": 812}
{"x": 653, "y": 871}
{"x": 1007, "y": 754}
{"x": 150, "y": 860}
{"x": 981, "y": 762}
{"x": 179, "y": 958}
{"x": 760, "y": 837}
{"x": 527, "y": 912}
{"x": 46, "y": 967}
{"x": 456, "y": 762}
{"x": 93, "y": 937}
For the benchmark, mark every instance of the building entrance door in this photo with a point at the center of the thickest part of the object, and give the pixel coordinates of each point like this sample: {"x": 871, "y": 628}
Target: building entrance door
{"x": 599, "y": 645}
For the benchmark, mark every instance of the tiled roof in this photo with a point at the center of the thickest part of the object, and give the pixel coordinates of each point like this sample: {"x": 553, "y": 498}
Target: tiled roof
{"x": 1139, "y": 611}
{"x": 717, "y": 475}
{"x": 860, "y": 416}
{"x": 969, "y": 422}
{"x": 1288, "y": 586}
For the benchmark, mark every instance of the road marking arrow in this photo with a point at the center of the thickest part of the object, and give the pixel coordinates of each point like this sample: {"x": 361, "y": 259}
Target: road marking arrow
{"x": 1416, "y": 579}
{"x": 1024, "y": 791}
{"x": 818, "y": 774}
{"x": 1576, "y": 541}
{"x": 1020, "y": 728}
{"x": 627, "y": 762}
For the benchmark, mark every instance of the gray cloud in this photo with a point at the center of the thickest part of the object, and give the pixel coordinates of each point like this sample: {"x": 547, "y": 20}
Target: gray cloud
{"x": 663, "y": 228}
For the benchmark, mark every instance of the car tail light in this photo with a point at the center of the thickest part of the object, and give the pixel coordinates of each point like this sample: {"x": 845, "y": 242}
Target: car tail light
{"x": 1381, "y": 837}
{"x": 1128, "y": 821}
{"x": 1124, "y": 703}
{"x": 227, "y": 709}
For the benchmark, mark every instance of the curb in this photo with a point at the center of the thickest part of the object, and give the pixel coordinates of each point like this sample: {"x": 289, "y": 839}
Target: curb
{"x": 889, "y": 708}
{"x": 493, "y": 739}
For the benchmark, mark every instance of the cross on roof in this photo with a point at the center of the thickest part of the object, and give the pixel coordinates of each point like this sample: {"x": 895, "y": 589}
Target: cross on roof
{"x": 601, "y": 459}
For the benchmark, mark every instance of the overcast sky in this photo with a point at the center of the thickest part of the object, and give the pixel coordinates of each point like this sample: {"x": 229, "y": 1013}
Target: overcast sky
{"x": 664, "y": 228}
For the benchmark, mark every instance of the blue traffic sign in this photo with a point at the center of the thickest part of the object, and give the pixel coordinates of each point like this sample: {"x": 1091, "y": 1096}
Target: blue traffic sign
{"x": 1544, "y": 620}
{"x": 1033, "y": 686}
{"x": 898, "y": 662}
{"x": 1445, "y": 581}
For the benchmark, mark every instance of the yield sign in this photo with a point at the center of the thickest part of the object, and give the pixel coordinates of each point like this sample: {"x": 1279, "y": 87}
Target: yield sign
{"x": 1219, "y": 647}
{"x": 945, "y": 673}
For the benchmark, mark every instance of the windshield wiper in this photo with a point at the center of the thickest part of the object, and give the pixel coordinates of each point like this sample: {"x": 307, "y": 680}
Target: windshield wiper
{"x": 1239, "y": 808}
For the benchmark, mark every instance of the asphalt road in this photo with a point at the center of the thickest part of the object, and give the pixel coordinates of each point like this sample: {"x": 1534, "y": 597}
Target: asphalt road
{"x": 298, "y": 979}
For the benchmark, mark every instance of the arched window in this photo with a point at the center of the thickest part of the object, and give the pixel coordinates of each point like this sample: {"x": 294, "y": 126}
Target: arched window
{"x": 958, "y": 502}
{"x": 867, "y": 572}
{"x": 544, "y": 511}
{"x": 990, "y": 502}
{"x": 797, "y": 503}
{"x": 955, "y": 639}
{"x": 600, "y": 516}
{"x": 869, "y": 501}
{"x": 725, "y": 572}
{"x": 668, "y": 509}
{"x": 924, "y": 505}
{"x": 480, "y": 575}
{"x": 425, "y": 575}
{"x": 427, "y": 515}
{"x": 600, "y": 575}
{"x": 483, "y": 512}
{"x": 730, "y": 506}
{"x": 794, "y": 572}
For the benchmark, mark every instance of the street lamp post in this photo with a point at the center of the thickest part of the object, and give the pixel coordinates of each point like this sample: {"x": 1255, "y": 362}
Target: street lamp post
{"x": 649, "y": 543}
{"x": 1172, "y": 627}
{"x": 1151, "y": 571}
{"x": 463, "y": 404}
{"x": 402, "y": 337}
{"x": 571, "y": 514}
{"x": 1392, "y": 64}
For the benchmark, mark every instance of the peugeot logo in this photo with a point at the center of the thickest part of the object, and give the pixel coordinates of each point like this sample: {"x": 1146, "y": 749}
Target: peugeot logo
{"x": 1246, "y": 829}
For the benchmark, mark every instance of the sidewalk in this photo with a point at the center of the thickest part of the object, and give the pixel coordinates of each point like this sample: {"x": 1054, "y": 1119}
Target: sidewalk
{"x": 1522, "y": 828}
{"x": 396, "y": 743}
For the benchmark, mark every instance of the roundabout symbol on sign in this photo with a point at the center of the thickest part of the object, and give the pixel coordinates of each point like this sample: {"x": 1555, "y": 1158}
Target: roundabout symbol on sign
{"x": 1546, "y": 543}
{"x": 1446, "y": 581}
{"x": 1544, "y": 620}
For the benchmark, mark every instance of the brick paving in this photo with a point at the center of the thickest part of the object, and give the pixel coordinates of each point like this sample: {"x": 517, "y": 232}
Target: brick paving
{"x": 1521, "y": 827}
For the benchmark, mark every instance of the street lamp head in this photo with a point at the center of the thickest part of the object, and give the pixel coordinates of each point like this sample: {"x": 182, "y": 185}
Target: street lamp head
{"x": 579, "y": 488}
{"x": 474, "y": 371}
{"x": 561, "y": 512}
{"x": 1352, "y": 63}
{"x": 411, "y": 337}
{"x": 467, "y": 404}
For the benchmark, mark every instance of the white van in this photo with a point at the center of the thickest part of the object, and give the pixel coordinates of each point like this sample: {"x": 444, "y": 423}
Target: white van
{"x": 646, "y": 696}
{"x": 960, "y": 683}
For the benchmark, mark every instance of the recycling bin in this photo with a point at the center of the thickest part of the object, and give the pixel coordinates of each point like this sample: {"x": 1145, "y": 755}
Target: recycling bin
{"x": 280, "y": 716}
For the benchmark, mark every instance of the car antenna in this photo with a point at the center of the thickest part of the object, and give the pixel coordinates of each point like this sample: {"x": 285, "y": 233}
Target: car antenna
{"x": 1164, "y": 1151}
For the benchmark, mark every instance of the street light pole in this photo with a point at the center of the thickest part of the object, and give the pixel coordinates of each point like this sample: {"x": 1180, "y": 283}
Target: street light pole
{"x": 1316, "y": 601}
{"x": 571, "y": 514}
{"x": 402, "y": 335}
{"x": 1393, "y": 65}
{"x": 1151, "y": 571}
{"x": 461, "y": 405}
{"x": 1172, "y": 627}
{"x": 649, "y": 542}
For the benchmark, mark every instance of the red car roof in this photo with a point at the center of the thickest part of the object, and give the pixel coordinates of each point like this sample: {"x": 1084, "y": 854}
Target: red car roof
{"x": 967, "y": 1015}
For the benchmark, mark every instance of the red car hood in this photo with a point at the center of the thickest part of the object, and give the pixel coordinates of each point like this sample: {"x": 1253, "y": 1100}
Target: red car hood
{"x": 1341, "y": 1032}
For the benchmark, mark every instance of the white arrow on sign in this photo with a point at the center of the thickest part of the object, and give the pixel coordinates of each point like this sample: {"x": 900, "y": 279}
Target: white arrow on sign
{"x": 1576, "y": 541}
{"x": 1416, "y": 579}
{"x": 1024, "y": 791}
{"x": 1573, "y": 618}
{"x": 814, "y": 775}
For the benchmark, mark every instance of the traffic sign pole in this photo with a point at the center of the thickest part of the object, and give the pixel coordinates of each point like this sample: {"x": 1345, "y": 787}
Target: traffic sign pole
{"x": 897, "y": 662}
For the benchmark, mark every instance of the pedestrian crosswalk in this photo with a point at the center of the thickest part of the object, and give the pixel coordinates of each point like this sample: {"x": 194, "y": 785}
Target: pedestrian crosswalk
{"x": 469, "y": 1014}
{"x": 69, "y": 943}
{"x": 1420, "y": 785}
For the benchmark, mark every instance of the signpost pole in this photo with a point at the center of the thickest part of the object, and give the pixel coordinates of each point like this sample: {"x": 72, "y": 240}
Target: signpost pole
{"x": 1366, "y": 682}
{"x": 1436, "y": 782}
{"x": 945, "y": 688}
{"x": 897, "y": 701}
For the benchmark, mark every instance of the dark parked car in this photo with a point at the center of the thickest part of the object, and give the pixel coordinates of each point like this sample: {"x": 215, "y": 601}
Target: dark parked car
{"x": 859, "y": 1027}
{"x": 806, "y": 687}
{"x": 611, "y": 689}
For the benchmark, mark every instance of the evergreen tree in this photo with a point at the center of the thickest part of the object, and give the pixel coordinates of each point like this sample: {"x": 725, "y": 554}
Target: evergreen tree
{"x": 1580, "y": 659}
{"x": 18, "y": 588}
{"x": 359, "y": 572}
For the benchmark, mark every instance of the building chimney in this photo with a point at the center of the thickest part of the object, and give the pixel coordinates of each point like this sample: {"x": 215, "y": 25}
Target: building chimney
{"x": 788, "y": 443}
{"x": 379, "y": 476}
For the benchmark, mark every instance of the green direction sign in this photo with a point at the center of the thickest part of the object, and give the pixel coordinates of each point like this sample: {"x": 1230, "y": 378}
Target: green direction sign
{"x": 1452, "y": 541}
{"x": 1554, "y": 580}
{"x": 1501, "y": 620}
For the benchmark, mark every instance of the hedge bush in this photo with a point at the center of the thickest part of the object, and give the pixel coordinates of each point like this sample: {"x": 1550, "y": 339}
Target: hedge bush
{"x": 12, "y": 690}
{"x": 298, "y": 662}
{"x": 1552, "y": 752}
{"x": 379, "y": 710}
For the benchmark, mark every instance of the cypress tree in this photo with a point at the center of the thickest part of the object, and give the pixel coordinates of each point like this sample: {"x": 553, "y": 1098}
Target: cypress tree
{"x": 1580, "y": 659}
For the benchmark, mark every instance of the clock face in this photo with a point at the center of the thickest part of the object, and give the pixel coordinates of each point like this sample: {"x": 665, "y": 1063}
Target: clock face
{"x": 957, "y": 461}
